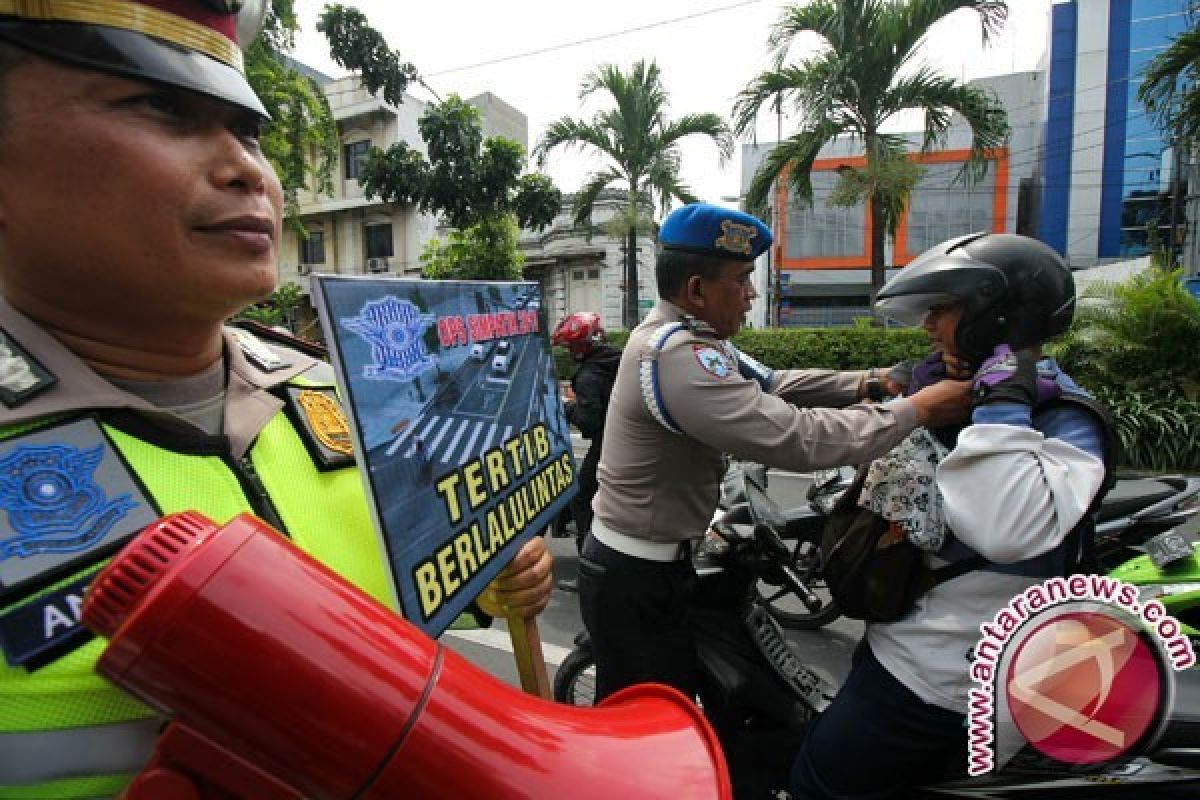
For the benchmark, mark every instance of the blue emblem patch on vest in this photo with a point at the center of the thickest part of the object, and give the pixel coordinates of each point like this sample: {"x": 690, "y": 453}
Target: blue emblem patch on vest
{"x": 67, "y": 500}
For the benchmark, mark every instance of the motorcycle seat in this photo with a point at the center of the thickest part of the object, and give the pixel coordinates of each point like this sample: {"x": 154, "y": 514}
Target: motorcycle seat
{"x": 1130, "y": 496}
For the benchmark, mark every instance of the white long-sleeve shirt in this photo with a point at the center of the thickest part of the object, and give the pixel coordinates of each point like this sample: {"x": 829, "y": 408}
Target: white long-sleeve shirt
{"x": 1013, "y": 487}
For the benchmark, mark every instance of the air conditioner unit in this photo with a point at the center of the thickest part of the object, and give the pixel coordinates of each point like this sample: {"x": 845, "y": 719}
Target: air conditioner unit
{"x": 377, "y": 265}
{"x": 304, "y": 269}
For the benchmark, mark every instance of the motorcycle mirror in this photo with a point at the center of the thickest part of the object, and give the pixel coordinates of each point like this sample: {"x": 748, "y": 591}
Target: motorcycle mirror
{"x": 763, "y": 510}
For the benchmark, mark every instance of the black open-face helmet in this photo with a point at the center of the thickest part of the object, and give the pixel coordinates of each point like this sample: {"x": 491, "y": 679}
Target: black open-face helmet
{"x": 193, "y": 44}
{"x": 1012, "y": 289}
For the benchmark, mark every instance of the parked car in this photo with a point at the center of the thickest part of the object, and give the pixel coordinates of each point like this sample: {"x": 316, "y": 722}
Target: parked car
{"x": 479, "y": 351}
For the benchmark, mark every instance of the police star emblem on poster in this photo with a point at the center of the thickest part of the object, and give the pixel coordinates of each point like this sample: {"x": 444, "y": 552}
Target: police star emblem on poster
{"x": 464, "y": 448}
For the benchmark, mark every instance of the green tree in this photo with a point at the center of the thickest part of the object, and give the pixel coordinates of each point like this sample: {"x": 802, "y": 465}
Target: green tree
{"x": 1169, "y": 88}
{"x": 484, "y": 251}
{"x": 1128, "y": 334}
{"x": 356, "y": 46}
{"x": 466, "y": 178}
{"x": 866, "y": 74}
{"x": 301, "y": 143}
{"x": 475, "y": 184}
{"x": 641, "y": 146}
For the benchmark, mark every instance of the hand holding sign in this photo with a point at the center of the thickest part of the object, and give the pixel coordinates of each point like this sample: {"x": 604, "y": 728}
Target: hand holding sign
{"x": 520, "y": 593}
{"x": 522, "y": 589}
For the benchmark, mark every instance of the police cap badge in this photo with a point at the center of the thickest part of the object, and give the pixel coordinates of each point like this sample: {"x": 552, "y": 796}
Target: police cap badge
{"x": 193, "y": 44}
{"x": 710, "y": 230}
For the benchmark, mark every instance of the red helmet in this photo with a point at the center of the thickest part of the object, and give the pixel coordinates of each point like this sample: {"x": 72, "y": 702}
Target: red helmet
{"x": 579, "y": 332}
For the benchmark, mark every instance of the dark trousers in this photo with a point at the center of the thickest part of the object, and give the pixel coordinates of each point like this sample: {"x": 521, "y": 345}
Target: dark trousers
{"x": 581, "y": 503}
{"x": 637, "y": 615}
{"x": 877, "y": 739}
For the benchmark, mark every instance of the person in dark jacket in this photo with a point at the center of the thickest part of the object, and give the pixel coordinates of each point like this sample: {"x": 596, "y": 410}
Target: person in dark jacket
{"x": 587, "y": 402}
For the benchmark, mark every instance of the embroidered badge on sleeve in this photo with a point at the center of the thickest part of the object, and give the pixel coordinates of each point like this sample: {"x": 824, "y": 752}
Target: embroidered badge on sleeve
{"x": 713, "y": 361}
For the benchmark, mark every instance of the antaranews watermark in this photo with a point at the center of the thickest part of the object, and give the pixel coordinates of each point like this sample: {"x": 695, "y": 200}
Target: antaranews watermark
{"x": 1089, "y": 678}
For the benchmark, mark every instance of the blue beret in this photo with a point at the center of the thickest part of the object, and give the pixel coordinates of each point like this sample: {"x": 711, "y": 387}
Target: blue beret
{"x": 710, "y": 230}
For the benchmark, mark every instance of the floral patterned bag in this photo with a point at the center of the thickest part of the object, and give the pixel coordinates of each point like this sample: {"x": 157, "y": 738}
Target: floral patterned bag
{"x": 874, "y": 544}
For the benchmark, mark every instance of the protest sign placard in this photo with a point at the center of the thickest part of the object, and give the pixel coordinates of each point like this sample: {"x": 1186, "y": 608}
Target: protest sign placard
{"x": 460, "y": 432}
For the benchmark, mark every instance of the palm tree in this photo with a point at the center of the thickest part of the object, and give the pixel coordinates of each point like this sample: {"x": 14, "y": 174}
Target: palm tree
{"x": 1169, "y": 89}
{"x": 865, "y": 75}
{"x": 641, "y": 146}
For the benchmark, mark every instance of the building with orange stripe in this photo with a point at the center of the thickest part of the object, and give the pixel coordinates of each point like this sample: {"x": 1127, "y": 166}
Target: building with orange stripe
{"x": 819, "y": 268}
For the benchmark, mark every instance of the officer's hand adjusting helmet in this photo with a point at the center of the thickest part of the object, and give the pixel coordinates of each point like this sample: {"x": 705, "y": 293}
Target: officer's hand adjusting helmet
{"x": 1012, "y": 289}
{"x": 193, "y": 44}
{"x": 579, "y": 332}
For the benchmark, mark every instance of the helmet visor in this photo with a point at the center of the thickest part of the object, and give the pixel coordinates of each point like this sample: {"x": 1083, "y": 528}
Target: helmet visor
{"x": 911, "y": 309}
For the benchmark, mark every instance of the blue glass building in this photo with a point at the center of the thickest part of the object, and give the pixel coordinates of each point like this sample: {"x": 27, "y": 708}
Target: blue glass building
{"x": 1106, "y": 167}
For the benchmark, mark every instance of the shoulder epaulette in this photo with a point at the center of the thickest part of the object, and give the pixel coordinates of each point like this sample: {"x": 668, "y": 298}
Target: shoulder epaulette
{"x": 696, "y": 325}
{"x": 21, "y": 375}
{"x": 305, "y": 346}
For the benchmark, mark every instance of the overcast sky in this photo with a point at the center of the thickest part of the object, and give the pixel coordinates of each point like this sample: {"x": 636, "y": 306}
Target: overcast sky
{"x": 707, "y": 51}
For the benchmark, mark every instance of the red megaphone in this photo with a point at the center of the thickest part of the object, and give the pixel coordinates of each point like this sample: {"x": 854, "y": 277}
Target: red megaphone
{"x": 285, "y": 682}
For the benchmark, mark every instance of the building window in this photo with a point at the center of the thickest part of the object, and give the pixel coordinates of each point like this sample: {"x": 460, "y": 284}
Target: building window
{"x": 312, "y": 249}
{"x": 942, "y": 207}
{"x": 353, "y": 156}
{"x": 823, "y": 231}
{"x": 378, "y": 240}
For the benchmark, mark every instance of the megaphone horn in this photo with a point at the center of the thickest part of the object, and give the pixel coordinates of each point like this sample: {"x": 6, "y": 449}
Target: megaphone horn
{"x": 284, "y": 681}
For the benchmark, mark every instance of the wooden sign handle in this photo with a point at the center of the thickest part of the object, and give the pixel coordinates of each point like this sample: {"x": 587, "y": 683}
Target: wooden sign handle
{"x": 527, "y": 650}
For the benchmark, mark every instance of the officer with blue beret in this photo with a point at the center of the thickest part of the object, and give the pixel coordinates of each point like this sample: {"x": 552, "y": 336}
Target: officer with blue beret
{"x": 137, "y": 213}
{"x": 684, "y": 396}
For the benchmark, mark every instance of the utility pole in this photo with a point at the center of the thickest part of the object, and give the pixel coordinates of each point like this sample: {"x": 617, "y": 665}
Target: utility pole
{"x": 1176, "y": 183}
{"x": 775, "y": 256}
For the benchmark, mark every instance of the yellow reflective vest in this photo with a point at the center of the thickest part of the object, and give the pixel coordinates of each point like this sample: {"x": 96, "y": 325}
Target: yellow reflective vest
{"x": 65, "y": 732}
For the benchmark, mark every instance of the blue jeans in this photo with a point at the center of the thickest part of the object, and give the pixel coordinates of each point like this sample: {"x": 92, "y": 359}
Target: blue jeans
{"x": 877, "y": 739}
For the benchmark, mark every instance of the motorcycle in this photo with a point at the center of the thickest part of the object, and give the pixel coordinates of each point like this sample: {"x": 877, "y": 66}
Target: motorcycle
{"x": 1169, "y": 572}
{"x": 760, "y": 697}
{"x": 1135, "y": 511}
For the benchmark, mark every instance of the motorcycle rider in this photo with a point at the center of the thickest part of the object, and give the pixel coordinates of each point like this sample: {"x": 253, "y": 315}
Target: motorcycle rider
{"x": 137, "y": 212}
{"x": 1034, "y": 437}
{"x": 684, "y": 396}
{"x": 587, "y": 403}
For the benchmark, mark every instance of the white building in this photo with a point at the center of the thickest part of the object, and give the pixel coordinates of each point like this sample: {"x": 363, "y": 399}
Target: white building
{"x": 350, "y": 234}
{"x": 583, "y": 270}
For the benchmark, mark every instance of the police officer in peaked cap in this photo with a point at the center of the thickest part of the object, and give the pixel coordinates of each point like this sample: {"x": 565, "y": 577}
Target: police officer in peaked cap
{"x": 685, "y": 396}
{"x": 137, "y": 213}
